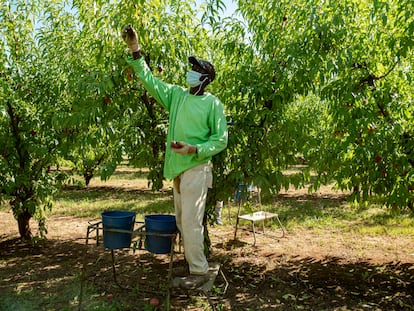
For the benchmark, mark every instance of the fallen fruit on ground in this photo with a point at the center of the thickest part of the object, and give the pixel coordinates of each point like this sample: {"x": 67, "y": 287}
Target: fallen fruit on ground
{"x": 155, "y": 302}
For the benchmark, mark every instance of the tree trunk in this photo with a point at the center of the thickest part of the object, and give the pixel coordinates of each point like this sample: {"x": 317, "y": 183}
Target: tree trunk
{"x": 88, "y": 177}
{"x": 24, "y": 226}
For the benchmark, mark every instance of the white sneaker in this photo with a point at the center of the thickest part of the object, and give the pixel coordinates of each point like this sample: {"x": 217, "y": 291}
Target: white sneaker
{"x": 193, "y": 281}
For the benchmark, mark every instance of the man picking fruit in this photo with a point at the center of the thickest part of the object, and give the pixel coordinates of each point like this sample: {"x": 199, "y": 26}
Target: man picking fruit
{"x": 197, "y": 131}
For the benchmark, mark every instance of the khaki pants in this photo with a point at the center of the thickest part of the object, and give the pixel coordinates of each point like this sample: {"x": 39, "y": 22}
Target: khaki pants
{"x": 190, "y": 194}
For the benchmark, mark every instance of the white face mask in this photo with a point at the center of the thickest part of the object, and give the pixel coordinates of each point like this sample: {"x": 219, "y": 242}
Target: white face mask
{"x": 193, "y": 78}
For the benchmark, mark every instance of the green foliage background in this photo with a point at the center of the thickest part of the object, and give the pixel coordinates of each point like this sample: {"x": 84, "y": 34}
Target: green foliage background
{"x": 329, "y": 84}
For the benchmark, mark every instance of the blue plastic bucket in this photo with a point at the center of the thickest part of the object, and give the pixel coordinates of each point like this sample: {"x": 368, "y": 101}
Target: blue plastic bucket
{"x": 119, "y": 220}
{"x": 164, "y": 224}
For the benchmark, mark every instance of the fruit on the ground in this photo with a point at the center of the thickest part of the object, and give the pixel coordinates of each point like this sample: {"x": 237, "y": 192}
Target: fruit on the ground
{"x": 155, "y": 302}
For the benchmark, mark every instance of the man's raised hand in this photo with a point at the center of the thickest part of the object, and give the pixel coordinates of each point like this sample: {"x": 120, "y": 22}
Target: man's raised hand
{"x": 130, "y": 38}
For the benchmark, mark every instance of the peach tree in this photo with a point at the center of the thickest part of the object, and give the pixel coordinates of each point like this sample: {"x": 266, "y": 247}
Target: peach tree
{"x": 58, "y": 103}
{"x": 328, "y": 83}
{"x": 33, "y": 93}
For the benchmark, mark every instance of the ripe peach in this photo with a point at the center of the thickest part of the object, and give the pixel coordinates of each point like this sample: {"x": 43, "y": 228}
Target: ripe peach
{"x": 155, "y": 302}
{"x": 176, "y": 145}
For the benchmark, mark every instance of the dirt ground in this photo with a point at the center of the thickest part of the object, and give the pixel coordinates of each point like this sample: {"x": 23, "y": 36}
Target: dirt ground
{"x": 304, "y": 270}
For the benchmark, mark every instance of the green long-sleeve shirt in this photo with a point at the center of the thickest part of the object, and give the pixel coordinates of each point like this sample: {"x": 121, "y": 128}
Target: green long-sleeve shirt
{"x": 196, "y": 120}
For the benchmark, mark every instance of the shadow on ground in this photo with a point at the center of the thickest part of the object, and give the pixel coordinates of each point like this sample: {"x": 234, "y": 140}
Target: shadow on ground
{"x": 47, "y": 276}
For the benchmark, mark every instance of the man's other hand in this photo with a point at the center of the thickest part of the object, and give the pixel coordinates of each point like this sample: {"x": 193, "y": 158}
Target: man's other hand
{"x": 182, "y": 147}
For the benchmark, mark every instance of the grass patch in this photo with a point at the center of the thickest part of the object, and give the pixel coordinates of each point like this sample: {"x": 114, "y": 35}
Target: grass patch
{"x": 316, "y": 212}
{"x": 91, "y": 201}
{"x": 128, "y": 189}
